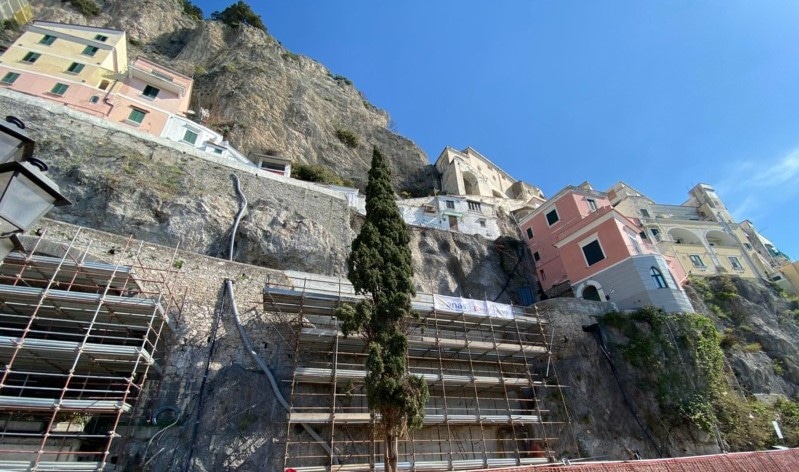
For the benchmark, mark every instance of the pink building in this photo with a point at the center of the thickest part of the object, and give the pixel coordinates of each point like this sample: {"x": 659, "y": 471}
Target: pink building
{"x": 148, "y": 95}
{"x": 86, "y": 68}
{"x": 581, "y": 243}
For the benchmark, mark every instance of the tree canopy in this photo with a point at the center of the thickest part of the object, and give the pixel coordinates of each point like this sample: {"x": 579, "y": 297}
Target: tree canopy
{"x": 192, "y": 10}
{"x": 380, "y": 267}
{"x": 239, "y": 14}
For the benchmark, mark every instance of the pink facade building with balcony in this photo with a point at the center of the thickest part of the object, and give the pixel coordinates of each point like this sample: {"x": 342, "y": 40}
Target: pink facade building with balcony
{"x": 86, "y": 68}
{"x": 580, "y": 242}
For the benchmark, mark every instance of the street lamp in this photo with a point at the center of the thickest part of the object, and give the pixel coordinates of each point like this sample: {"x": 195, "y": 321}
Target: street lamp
{"x": 26, "y": 194}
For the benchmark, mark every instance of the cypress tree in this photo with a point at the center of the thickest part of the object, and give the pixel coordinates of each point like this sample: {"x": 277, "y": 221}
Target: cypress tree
{"x": 380, "y": 267}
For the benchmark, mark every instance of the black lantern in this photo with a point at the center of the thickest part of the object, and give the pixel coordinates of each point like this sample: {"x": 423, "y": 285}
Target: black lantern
{"x": 25, "y": 193}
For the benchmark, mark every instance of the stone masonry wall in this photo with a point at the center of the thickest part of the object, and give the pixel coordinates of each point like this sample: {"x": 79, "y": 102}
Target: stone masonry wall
{"x": 241, "y": 421}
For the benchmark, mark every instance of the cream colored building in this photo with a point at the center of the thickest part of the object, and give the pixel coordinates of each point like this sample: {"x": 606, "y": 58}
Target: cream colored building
{"x": 701, "y": 233}
{"x": 469, "y": 173}
{"x": 789, "y": 280}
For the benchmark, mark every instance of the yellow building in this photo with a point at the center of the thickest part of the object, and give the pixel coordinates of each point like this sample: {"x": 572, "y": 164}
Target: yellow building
{"x": 72, "y": 54}
{"x": 86, "y": 68}
{"x": 701, "y": 234}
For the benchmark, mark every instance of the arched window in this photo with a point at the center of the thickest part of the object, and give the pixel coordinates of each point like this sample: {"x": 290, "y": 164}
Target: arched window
{"x": 657, "y": 276}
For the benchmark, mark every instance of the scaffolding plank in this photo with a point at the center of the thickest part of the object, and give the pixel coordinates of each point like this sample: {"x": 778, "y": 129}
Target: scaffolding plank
{"x": 47, "y": 466}
{"x": 428, "y": 465}
{"x": 365, "y": 418}
{"x": 66, "y": 404}
{"x": 324, "y": 376}
{"x": 480, "y": 347}
{"x": 52, "y": 351}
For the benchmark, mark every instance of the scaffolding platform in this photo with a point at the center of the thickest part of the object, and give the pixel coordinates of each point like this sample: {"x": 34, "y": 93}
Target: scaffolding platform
{"x": 79, "y": 340}
{"x": 484, "y": 410}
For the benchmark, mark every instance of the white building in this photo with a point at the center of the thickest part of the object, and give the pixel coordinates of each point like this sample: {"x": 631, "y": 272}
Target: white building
{"x": 191, "y": 133}
{"x": 451, "y": 213}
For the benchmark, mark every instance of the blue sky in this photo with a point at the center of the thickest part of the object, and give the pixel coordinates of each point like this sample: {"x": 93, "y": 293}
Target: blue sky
{"x": 662, "y": 95}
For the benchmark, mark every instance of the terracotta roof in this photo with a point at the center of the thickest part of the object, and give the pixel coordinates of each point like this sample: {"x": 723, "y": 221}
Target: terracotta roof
{"x": 760, "y": 461}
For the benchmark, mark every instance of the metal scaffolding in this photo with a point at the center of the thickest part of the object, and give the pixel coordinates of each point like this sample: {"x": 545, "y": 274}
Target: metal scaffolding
{"x": 78, "y": 341}
{"x": 485, "y": 407}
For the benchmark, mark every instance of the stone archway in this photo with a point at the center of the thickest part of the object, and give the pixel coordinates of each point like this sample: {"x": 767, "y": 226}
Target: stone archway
{"x": 470, "y": 185}
{"x": 590, "y": 290}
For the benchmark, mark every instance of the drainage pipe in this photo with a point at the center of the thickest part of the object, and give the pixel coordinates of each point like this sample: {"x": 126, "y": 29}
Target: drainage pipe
{"x": 242, "y": 211}
{"x": 265, "y": 368}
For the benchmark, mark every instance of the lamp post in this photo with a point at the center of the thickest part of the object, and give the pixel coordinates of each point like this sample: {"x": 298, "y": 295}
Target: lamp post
{"x": 26, "y": 194}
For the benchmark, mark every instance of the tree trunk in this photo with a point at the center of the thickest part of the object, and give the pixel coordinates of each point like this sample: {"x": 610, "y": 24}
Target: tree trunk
{"x": 392, "y": 452}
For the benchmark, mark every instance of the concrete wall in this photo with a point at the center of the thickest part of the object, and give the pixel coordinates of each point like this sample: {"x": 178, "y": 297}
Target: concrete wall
{"x": 200, "y": 279}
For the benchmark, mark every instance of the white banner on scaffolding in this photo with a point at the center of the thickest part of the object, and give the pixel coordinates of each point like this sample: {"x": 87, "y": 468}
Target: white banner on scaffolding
{"x": 472, "y": 307}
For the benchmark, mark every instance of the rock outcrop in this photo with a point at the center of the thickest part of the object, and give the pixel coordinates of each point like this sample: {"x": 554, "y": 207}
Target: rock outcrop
{"x": 260, "y": 95}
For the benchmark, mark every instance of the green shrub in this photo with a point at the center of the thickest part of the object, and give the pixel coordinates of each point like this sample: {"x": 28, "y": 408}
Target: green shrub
{"x": 752, "y": 347}
{"x": 317, "y": 173}
{"x": 288, "y": 55}
{"x": 341, "y": 78}
{"x": 192, "y": 10}
{"x": 87, "y": 8}
{"x": 727, "y": 289}
{"x": 134, "y": 42}
{"x": 10, "y": 25}
{"x": 347, "y": 137}
{"x": 678, "y": 357}
{"x": 239, "y": 14}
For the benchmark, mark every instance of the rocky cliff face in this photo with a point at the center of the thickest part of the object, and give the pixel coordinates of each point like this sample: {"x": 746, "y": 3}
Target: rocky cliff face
{"x": 632, "y": 394}
{"x": 259, "y": 94}
{"x": 127, "y": 185}
{"x": 268, "y": 98}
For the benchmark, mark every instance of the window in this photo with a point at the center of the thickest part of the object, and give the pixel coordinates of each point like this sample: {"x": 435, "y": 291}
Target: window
{"x": 31, "y": 57}
{"x": 450, "y": 204}
{"x": 536, "y": 256}
{"x": 634, "y": 243}
{"x": 10, "y": 78}
{"x": 735, "y": 263}
{"x": 101, "y": 38}
{"x": 657, "y": 276}
{"x": 136, "y": 115}
{"x": 552, "y": 217}
{"x": 47, "y": 40}
{"x": 150, "y": 91}
{"x": 696, "y": 261}
{"x": 482, "y": 223}
{"x": 642, "y": 234}
{"x": 529, "y": 233}
{"x": 94, "y": 99}
{"x": 644, "y": 213}
{"x": 59, "y": 89}
{"x": 591, "y": 204}
{"x": 474, "y": 206}
{"x": 75, "y": 68}
{"x": 748, "y": 246}
{"x": 655, "y": 233}
{"x": 543, "y": 275}
{"x": 593, "y": 252}
{"x": 190, "y": 136}
{"x": 90, "y": 50}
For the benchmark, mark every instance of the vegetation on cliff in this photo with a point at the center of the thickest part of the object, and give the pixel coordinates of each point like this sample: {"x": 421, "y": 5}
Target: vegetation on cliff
{"x": 239, "y": 14}
{"x": 680, "y": 359}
